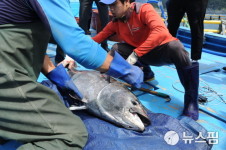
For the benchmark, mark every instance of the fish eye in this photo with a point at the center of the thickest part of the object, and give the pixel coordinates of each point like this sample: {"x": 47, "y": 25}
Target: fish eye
{"x": 134, "y": 102}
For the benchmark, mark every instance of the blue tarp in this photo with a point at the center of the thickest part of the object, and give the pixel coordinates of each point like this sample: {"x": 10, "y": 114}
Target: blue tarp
{"x": 104, "y": 135}
{"x": 164, "y": 133}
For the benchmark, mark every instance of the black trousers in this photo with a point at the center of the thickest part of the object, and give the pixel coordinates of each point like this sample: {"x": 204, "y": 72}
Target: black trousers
{"x": 85, "y": 14}
{"x": 195, "y": 10}
{"x": 170, "y": 53}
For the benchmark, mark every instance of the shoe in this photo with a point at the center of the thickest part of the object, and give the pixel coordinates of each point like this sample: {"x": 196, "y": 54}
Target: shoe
{"x": 148, "y": 74}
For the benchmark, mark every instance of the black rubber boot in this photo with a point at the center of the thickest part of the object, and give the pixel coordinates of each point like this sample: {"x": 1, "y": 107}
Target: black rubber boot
{"x": 189, "y": 77}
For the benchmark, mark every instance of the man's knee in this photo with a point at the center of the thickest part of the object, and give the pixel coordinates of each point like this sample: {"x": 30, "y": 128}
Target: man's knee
{"x": 115, "y": 47}
{"x": 75, "y": 139}
{"x": 77, "y": 134}
{"x": 180, "y": 56}
{"x": 79, "y": 139}
{"x": 123, "y": 49}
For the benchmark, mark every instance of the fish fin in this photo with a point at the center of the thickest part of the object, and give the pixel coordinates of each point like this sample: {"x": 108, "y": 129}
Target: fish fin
{"x": 77, "y": 107}
{"x": 84, "y": 100}
{"x": 76, "y": 98}
{"x": 108, "y": 79}
{"x": 111, "y": 79}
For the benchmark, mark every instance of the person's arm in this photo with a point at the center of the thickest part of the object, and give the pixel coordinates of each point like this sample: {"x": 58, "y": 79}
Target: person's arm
{"x": 58, "y": 17}
{"x": 47, "y": 65}
{"x": 59, "y": 76}
{"x": 108, "y": 30}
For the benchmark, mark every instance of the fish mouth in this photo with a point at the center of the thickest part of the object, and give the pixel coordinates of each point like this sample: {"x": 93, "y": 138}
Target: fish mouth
{"x": 145, "y": 119}
{"x": 142, "y": 114}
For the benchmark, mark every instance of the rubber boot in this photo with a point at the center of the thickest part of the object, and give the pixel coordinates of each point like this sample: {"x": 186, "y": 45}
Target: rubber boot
{"x": 148, "y": 73}
{"x": 189, "y": 77}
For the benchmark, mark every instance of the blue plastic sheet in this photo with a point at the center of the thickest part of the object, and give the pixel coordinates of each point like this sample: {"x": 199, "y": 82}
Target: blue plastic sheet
{"x": 164, "y": 133}
{"x": 104, "y": 135}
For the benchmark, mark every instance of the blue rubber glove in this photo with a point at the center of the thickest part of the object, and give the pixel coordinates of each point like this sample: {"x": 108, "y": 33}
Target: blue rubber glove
{"x": 120, "y": 68}
{"x": 65, "y": 85}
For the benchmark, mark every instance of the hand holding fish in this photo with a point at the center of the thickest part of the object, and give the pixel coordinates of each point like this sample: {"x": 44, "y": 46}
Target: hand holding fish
{"x": 68, "y": 62}
{"x": 65, "y": 85}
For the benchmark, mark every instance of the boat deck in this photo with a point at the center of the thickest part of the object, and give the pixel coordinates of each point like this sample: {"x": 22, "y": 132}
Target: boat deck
{"x": 212, "y": 86}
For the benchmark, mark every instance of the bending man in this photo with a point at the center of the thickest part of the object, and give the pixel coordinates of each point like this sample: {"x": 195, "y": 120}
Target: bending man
{"x": 147, "y": 41}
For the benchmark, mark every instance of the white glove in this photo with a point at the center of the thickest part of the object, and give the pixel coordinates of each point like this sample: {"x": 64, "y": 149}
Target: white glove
{"x": 68, "y": 62}
{"x": 132, "y": 59}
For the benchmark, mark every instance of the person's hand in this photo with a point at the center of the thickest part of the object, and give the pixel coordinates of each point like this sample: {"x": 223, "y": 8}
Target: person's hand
{"x": 68, "y": 62}
{"x": 132, "y": 59}
{"x": 121, "y": 69}
{"x": 65, "y": 85}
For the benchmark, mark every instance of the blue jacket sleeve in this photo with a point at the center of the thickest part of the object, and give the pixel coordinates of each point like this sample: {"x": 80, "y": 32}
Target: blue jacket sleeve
{"x": 58, "y": 17}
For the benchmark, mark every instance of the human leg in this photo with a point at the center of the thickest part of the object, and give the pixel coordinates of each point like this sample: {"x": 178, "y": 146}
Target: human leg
{"x": 175, "y": 12}
{"x": 30, "y": 112}
{"x": 85, "y": 13}
{"x": 34, "y": 115}
{"x": 189, "y": 76}
{"x": 125, "y": 50}
{"x": 174, "y": 53}
{"x": 104, "y": 19}
{"x": 196, "y": 13}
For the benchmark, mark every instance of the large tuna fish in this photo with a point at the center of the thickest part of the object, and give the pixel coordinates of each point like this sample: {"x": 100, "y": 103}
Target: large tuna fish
{"x": 110, "y": 101}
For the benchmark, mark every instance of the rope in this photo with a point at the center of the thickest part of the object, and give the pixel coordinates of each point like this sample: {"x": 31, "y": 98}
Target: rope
{"x": 206, "y": 91}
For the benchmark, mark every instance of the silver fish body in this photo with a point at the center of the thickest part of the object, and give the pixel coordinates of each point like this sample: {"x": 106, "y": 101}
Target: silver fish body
{"x": 110, "y": 101}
